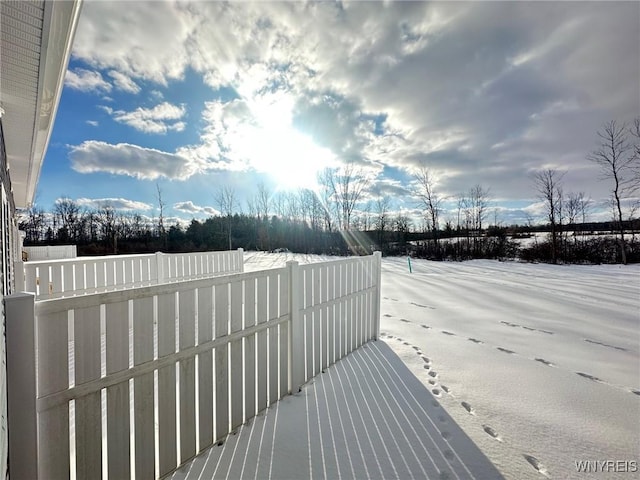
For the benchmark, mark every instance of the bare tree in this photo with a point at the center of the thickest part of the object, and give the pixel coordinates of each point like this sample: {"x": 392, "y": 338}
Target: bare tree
{"x": 67, "y": 214}
{"x": 618, "y": 161}
{"x": 548, "y": 185}
{"x": 226, "y": 200}
{"x": 311, "y": 208}
{"x": 107, "y": 218}
{"x": 263, "y": 201}
{"x": 430, "y": 201}
{"x": 382, "y": 219}
{"x": 478, "y": 203}
{"x": 326, "y": 197}
{"x": 346, "y": 184}
{"x": 34, "y": 224}
{"x": 161, "y": 205}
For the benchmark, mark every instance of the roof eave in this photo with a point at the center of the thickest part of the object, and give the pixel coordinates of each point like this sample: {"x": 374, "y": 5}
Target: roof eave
{"x": 59, "y": 27}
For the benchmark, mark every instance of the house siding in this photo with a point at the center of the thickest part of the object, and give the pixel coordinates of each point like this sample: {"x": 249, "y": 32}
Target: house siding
{"x": 7, "y": 257}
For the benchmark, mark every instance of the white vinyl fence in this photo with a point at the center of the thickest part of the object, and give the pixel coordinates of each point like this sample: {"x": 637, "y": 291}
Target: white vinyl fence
{"x": 139, "y": 381}
{"x": 50, "y": 252}
{"x": 83, "y": 275}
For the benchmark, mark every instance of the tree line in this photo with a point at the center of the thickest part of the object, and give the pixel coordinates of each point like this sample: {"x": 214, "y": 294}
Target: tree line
{"x": 341, "y": 217}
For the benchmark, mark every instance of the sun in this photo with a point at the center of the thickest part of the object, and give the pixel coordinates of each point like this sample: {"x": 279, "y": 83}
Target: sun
{"x": 277, "y": 148}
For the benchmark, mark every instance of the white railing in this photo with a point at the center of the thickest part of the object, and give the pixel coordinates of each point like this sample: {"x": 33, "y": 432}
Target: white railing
{"x": 50, "y": 252}
{"x": 141, "y": 380}
{"x": 83, "y": 275}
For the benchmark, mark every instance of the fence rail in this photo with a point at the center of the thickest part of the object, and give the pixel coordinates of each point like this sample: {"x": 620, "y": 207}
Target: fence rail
{"x": 84, "y": 275}
{"x": 141, "y": 380}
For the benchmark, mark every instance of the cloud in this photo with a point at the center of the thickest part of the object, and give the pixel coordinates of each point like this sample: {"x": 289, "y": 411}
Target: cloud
{"x": 190, "y": 207}
{"x": 86, "y": 81}
{"x": 117, "y": 203}
{"x": 123, "y": 82}
{"x": 125, "y": 159}
{"x": 486, "y": 91}
{"x": 160, "y": 119}
{"x": 93, "y": 123}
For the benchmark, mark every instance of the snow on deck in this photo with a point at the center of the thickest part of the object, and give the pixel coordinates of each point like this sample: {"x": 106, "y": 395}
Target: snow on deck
{"x": 367, "y": 416}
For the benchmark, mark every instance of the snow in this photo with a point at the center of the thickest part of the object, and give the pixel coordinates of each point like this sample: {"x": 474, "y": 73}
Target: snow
{"x": 538, "y": 364}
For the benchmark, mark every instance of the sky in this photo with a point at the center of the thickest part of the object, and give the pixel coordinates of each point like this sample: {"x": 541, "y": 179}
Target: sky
{"x": 193, "y": 97}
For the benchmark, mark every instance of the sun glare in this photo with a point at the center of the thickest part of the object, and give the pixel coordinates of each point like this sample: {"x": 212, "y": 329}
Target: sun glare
{"x": 275, "y": 147}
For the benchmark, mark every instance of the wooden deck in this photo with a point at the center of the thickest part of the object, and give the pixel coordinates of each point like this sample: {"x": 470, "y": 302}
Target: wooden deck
{"x": 367, "y": 416}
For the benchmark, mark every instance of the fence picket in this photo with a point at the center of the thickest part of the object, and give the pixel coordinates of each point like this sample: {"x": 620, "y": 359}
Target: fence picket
{"x": 187, "y": 329}
{"x": 273, "y": 339}
{"x": 283, "y": 333}
{"x": 235, "y": 380}
{"x": 249, "y": 349}
{"x": 222, "y": 361}
{"x": 167, "y": 384}
{"x": 205, "y": 368}
{"x": 88, "y": 409}
{"x": 262, "y": 346}
{"x": 143, "y": 387}
{"x": 53, "y": 376}
{"x": 68, "y": 279}
{"x": 117, "y": 359}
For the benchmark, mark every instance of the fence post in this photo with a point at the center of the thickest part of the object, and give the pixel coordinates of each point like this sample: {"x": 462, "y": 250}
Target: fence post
{"x": 241, "y": 260}
{"x": 21, "y": 385}
{"x": 377, "y": 256}
{"x": 296, "y": 339}
{"x": 159, "y": 268}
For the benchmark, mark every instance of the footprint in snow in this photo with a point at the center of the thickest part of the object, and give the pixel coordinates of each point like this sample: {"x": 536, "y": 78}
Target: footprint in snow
{"x": 426, "y": 367}
{"x": 448, "y": 333}
{"x": 468, "y": 408}
{"x": 423, "y": 306}
{"x": 446, "y": 389}
{"x": 491, "y": 432}
{"x": 425, "y": 326}
{"x": 475, "y": 340}
{"x": 436, "y": 392}
{"x": 416, "y": 348}
{"x": 542, "y": 360}
{"x": 433, "y": 374}
{"x": 535, "y": 463}
{"x": 387, "y": 315}
{"x": 505, "y": 350}
{"x": 406, "y": 343}
{"x": 426, "y": 360}
{"x": 546, "y": 331}
{"x": 590, "y": 377}
{"x": 509, "y": 324}
{"x": 404, "y": 320}
{"x": 605, "y": 345}
{"x": 432, "y": 381}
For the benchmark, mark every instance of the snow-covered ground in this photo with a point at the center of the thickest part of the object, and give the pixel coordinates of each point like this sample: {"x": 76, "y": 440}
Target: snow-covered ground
{"x": 538, "y": 364}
